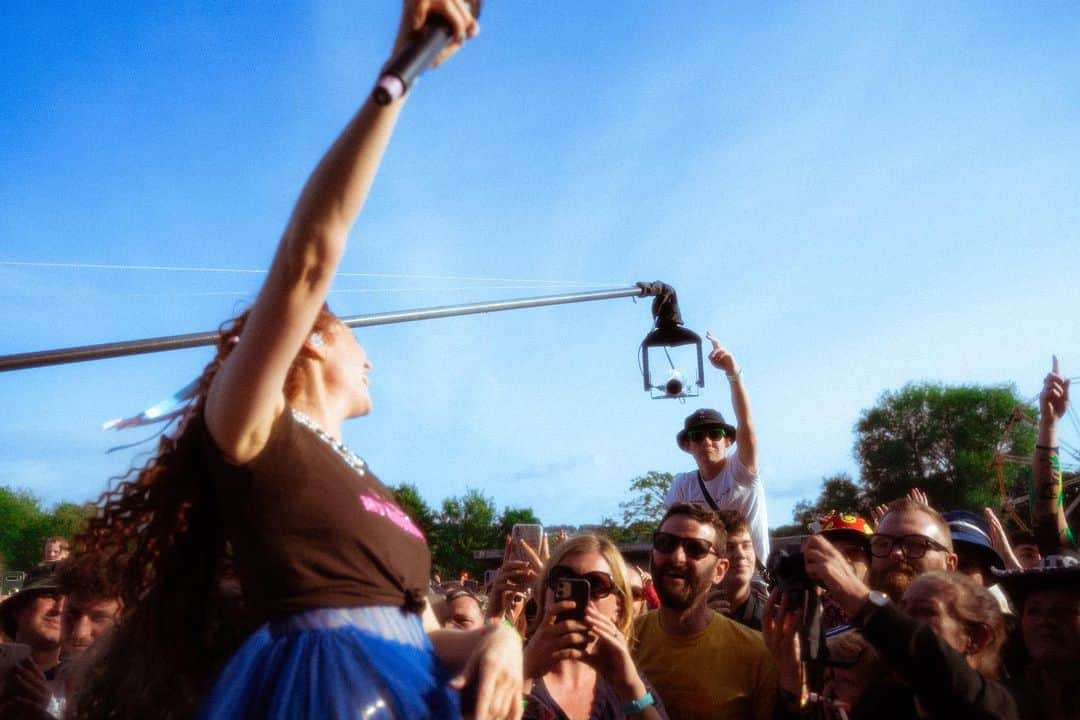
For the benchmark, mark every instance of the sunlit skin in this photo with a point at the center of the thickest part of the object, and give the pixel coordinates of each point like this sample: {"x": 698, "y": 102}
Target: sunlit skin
{"x": 85, "y": 620}
{"x": 893, "y": 573}
{"x": 38, "y": 625}
{"x": 682, "y": 581}
{"x": 347, "y": 367}
{"x": 1051, "y": 626}
{"x": 464, "y": 613}
{"x": 55, "y": 551}
{"x": 709, "y": 454}
{"x": 856, "y": 553}
{"x": 637, "y": 588}
{"x": 741, "y": 564}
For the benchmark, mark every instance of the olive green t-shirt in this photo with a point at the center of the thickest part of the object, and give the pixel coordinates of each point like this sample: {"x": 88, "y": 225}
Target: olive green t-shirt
{"x": 724, "y": 672}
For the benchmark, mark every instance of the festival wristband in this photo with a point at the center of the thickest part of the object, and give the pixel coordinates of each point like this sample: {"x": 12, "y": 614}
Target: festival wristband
{"x": 639, "y": 705}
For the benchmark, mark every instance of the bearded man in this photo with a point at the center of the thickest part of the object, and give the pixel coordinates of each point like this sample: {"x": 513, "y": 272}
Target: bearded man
{"x": 702, "y": 664}
{"x": 911, "y": 539}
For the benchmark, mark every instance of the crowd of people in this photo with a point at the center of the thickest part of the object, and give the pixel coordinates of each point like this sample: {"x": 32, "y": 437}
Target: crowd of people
{"x": 255, "y": 567}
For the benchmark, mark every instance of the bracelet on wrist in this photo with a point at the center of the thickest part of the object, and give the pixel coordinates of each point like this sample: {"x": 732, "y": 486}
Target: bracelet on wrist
{"x": 1048, "y": 448}
{"x": 645, "y": 701}
{"x": 735, "y": 376}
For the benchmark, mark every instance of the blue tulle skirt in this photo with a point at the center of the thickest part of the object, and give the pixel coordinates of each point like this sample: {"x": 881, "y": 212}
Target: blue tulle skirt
{"x": 373, "y": 663}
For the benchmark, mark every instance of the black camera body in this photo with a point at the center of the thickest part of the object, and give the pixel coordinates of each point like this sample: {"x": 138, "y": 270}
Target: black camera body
{"x": 788, "y": 570}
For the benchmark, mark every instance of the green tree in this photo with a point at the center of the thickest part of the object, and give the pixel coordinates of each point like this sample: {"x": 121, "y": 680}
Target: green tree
{"x": 464, "y": 525}
{"x": 838, "y": 492}
{"x": 25, "y": 524}
{"x": 515, "y": 516}
{"x": 943, "y": 440}
{"x": 408, "y": 497}
{"x": 646, "y": 499}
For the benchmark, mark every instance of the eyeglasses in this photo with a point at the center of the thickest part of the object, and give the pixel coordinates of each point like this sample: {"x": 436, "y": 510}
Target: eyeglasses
{"x": 912, "y": 546}
{"x": 695, "y": 548}
{"x": 711, "y": 433}
{"x": 600, "y": 583}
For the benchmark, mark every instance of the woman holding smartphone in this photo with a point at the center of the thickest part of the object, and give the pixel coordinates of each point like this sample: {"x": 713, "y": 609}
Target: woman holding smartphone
{"x": 319, "y": 556}
{"x": 578, "y": 655}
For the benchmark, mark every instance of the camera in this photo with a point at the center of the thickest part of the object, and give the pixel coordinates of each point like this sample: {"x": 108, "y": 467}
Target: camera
{"x": 788, "y": 571}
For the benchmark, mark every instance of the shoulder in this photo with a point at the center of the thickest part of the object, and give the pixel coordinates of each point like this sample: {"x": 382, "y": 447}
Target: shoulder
{"x": 737, "y": 636}
{"x": 735, "y": 469}
{"x": 680, "y": 486}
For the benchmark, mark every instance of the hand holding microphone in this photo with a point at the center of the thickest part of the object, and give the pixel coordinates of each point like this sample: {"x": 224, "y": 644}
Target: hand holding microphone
{"x": 432, "y": 30}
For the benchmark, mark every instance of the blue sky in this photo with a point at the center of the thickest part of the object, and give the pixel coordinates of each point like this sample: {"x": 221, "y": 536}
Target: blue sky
{"x": 850, "y": 196}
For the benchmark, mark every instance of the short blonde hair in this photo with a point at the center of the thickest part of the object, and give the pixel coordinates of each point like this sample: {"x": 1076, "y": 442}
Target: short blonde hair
{"x": 581, "y": 545}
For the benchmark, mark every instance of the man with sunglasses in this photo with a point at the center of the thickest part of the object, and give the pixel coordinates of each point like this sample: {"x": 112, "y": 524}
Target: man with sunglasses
{"x": 703, "y": 664}
{"x": 911, "y": 539}
{"x": 724, "y": 481}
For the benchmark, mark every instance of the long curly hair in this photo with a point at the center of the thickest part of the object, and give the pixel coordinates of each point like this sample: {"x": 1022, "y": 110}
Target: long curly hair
{"x": 183, "y": 611}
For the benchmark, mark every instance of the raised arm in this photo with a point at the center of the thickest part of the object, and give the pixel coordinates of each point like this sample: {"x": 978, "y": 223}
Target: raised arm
{"x": 1047, "y": 507}
{"x": 246, "y": 395}
{"x": 745, "y": 437}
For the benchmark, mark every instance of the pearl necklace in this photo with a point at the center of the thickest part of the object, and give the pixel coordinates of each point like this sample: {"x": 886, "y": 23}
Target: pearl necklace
{"x": 351, "y": 459}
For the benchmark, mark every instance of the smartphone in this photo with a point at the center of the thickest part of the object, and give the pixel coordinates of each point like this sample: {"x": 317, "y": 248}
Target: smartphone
{"x": 531, "y": 534}
{"x": 576, "y": 589}
{"x": 11, "y": 654}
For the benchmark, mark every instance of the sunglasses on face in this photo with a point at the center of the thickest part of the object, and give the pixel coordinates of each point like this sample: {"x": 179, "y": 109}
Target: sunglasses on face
{"x": 600, "y": 583}
{"x": 913, "y": 547}
{"x": 695, "y": 548}
{"x": 711, "y": 433}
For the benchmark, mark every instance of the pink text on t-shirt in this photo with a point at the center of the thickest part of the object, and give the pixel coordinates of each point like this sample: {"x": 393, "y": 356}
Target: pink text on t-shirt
{"x": 391, "y": 512}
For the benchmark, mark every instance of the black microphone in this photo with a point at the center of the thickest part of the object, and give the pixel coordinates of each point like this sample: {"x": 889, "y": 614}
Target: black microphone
{"x": 399, "y": 74}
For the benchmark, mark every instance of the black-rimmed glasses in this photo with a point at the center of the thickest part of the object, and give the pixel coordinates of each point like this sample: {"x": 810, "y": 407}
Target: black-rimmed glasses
{"x": 695, "y": 548}
{"x": 912, "y": 546}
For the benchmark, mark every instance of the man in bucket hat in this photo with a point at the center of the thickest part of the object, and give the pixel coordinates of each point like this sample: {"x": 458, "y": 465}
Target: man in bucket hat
{"x": 724, "y": 481}
{"x": 32, "y": 617}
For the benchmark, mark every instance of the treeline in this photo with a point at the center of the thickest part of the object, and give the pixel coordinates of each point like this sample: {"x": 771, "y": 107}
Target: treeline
{"x": 25, "y": 523}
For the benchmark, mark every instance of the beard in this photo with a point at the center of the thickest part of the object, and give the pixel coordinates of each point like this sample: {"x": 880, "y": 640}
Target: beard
{"x": 893, "y": 579}
{"x": 679, "y": 588}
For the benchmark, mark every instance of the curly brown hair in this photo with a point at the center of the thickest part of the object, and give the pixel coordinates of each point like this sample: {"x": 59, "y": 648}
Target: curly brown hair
{"x": 183, "y": 612}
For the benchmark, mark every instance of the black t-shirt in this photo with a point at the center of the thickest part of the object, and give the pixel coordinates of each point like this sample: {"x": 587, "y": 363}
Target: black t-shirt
{"x": 310, "y": 531}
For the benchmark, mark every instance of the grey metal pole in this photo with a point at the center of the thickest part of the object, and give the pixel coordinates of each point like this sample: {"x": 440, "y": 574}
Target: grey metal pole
{"x": 22, "y": 361}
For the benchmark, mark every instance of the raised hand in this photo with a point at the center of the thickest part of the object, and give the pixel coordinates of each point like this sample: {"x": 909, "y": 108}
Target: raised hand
{"x": 918, "y": 496}
{"x": 554, "y": 640}
{"x": 610, "y": 655}
{"x": 458, "y": 13}
{"x": 495, "y": 670}
{"x": 1054, "y": 398}
{"x": 1000, "y": 540}
{"x": 720, "y": 358}
{"x": 780, "y": 628}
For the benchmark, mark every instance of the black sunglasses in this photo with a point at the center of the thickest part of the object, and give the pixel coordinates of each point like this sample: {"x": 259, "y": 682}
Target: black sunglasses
{"x": 913, "y": 547}
{"x": 713, "y": 433}
{"x": 695, "y": 548}
{"x": 600, "y": 583}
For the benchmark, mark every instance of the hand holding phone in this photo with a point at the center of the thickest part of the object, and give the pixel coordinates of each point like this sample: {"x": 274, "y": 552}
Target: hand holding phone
{"x": 576, "y": 589}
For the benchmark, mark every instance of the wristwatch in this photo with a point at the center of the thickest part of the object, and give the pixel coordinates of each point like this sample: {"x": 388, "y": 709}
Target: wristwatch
{"x": 874, "y": 602}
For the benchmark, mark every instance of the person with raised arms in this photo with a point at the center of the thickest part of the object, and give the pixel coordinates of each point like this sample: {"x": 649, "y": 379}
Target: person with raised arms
{"x": 255, "y": 514}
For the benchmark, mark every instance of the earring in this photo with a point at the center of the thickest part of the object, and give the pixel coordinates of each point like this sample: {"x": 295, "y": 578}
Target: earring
{"x": 317, "y": 341}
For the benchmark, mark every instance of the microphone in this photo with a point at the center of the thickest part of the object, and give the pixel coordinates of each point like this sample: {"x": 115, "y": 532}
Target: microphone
{"x": 399, "y": 74}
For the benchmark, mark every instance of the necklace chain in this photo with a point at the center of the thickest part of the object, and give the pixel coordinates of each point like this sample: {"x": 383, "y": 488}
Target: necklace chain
{"x": 351, "y": 459}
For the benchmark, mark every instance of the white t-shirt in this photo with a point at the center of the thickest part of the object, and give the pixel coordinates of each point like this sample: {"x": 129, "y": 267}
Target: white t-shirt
{"x": 735, "y": 488}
